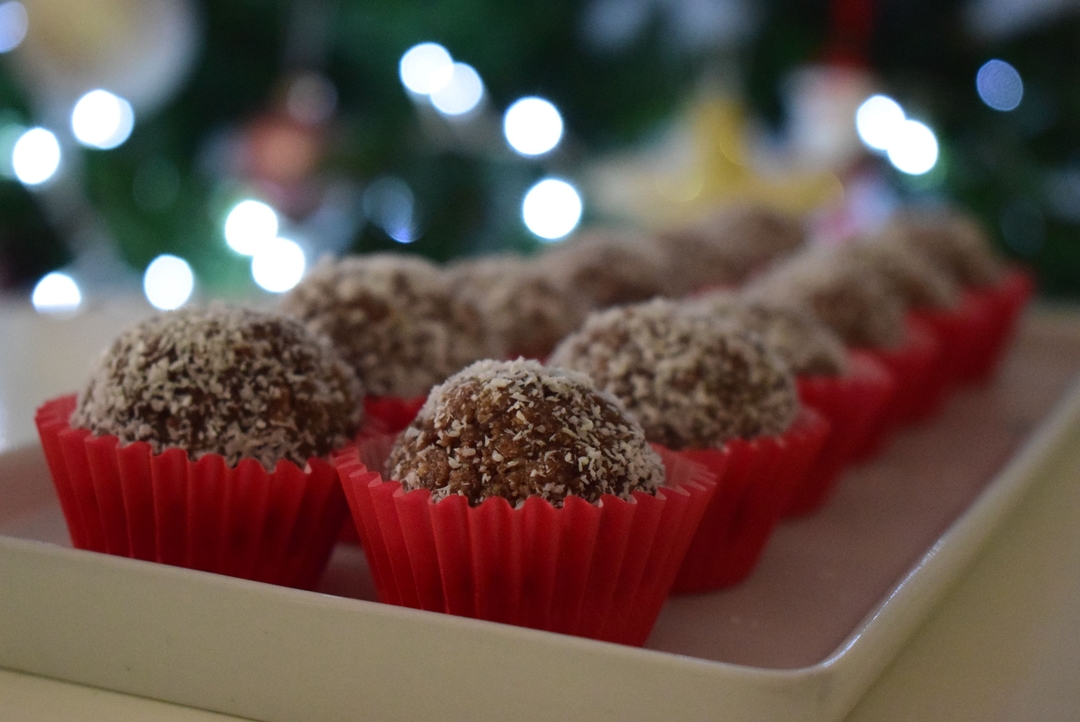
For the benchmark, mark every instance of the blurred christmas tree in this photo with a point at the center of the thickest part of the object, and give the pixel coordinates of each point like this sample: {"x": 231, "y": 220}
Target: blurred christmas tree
{"x": 301, "y": 106}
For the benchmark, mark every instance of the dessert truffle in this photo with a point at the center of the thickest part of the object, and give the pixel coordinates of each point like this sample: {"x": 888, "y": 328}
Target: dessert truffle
{"x": 516, "y": 429}
{"x": 608, "y": 267}
{"x": 806, "y": 344}
{"x": 918, "y": 282}
{"x": 692, "y": 381}
{"x": 526, "y": 312}
{"x": 226, "y": 381}
{"x": 729, "y": 246}
{"x": 858, "y": 306}
{"x": 952, "y": 240}
{"x": 393, "y": 318}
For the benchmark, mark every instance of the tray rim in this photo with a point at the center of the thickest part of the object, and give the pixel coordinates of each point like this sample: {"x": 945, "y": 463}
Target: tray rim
{"x": 826, "y": 690}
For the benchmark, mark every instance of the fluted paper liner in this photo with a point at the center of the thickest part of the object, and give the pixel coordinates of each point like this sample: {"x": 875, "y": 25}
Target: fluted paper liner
{"x": 593, "y": 570}
{"x": 389, "y": 414}
{"x": 1003, "y": 303}
{"x": 382, "y": 415}
{"x": 757, "y": 479}
{"x": 961, "y": 333}
{"x": 912, "y": 366}
{"x": 852, "y": 404}
{"x": 276, "y": 527}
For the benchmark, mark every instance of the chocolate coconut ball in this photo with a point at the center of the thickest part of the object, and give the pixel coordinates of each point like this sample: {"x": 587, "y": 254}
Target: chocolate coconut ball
{"x": 729, "y": 246}
{"x": 608, "y": 267}
{"x": 918, "y": 282}
{"x": 858, "y": 306}
{"x": 516, "y": 429}
{"x": 525, "y": 311}
{"x": 223, "y": 381}
{"x": 692, "y": 381}
{"x": 807, "y": 345}
{"x": 952, "y": 240}
{"x": 393, "y": 318}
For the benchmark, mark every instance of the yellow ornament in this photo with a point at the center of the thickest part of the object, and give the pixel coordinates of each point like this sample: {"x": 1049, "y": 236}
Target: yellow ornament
{"x": 706, "y": 162}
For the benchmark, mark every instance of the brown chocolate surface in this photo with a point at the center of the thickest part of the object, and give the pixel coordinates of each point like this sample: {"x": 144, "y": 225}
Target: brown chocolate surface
{"x": 223, "y": 380}
{"x": 953, "y": 240}
{"x": 729, "y": 246}
{"x": 393, "y": 318}
{"x": 790, "y": 329}
{"x": 692, "y": 381}
{"x": 516, "y": 429}
{"x": 911, "y": 275}
{"x": 608, "y": 267}
{"x": 525, "y": 309}
{"x": 858, "y": 306}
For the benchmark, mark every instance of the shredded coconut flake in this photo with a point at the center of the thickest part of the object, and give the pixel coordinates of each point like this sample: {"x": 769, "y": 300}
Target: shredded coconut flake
{"x": 857, "y": 305}
{"x": 599, "y": 450}
{"x": 692, "y": 381}
{"x": 914, "y": 278}
{"x": 790, "y": 329}
{"x": 223, "y": 380}
{"x": 525, "y": 309}
{"x": 393, "y": 318}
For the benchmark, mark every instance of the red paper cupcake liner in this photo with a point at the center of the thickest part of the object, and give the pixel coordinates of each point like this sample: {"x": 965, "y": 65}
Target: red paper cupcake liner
{"x": 389, "y": 414}
{"x": 961, "y": 334}
{"x": 756, "y": 481}
{"x": 852, "y": 404}
{"x": 591, "y": 570}
{"x": 382, "y": 415}
{"x": 930, "y": 393}
{"x": 243, "y": 521}
{"x": 1004, "y": 304}
{"x": 912, "y": 366}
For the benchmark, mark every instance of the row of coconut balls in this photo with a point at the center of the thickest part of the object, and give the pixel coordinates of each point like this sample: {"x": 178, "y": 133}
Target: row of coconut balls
{"x": 771, "y": 388}
{"x": 405, "y": 324}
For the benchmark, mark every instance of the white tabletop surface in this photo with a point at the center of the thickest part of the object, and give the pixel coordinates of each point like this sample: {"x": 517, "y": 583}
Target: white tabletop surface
{"x": 1003, "y": 645}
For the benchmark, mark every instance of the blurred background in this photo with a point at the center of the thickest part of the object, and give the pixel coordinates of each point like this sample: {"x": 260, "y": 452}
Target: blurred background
{"x": 187, "y": 149}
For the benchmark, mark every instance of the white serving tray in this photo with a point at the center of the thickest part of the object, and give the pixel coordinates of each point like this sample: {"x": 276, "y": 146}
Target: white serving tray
{"x": 834, "y": 600}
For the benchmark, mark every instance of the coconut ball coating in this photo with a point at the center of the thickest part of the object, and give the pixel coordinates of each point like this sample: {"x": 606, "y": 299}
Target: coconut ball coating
{"x": 952, "y": 240}
{"x": 515, "y": 429}
{"x": 729, "y": 246}
{"x": 223, "y": 381}
{"x": 525, "y": 310}
{"x": 608, "y": 267}
{"x": 918, "y": 282}
{"x": 858, "y": 306}
{"x": 692, "y": 381}
{"x": 393, "y": 318}
{"x": 807, "y": 345}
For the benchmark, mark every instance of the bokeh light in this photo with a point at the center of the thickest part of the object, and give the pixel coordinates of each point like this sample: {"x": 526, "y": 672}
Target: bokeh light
{"x": 13, "y": 25}
{"x": 532, "y": 126}
{"x": 278, "y": 265}
{"x": 999, "y": 85}
{"x": 551, "y": 209}
{"x": 914, "y": 149}
{"x": 56, "y": 293}
{"x": 389, "y": 203}
{"x": 426, "y": 68}
{"x": 168, "y": 282}
{"x": 35, "y": 157}
{"x": 462, "y": 94}
{"x": 102, "y": 120}
{"x": 878, "y": 120}
{"x": 249, "y": 225}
